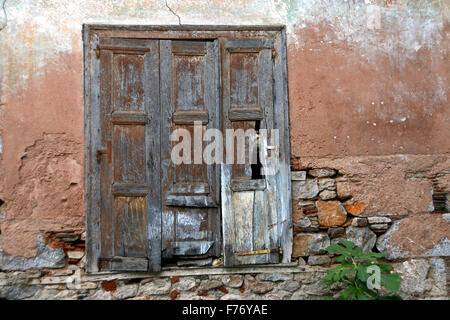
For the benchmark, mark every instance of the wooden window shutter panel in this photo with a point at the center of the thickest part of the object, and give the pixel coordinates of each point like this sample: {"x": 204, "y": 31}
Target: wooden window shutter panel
{"x": 190, "y": 192}
{"x": 137, "y": 113}
{"x": 254, "y": 210}
{"x": 128, "y": 161}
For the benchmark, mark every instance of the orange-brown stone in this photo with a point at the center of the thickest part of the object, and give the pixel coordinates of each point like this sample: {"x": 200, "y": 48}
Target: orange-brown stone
{"x": 330, "y": 213}
{"x": 355, "y": 208}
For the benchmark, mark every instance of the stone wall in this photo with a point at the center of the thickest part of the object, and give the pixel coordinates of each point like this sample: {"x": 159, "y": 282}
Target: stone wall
{"x": 324, "y": 212}
{"x": 415, "y": 243}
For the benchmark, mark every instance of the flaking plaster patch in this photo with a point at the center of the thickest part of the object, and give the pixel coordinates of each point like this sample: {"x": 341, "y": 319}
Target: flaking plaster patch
{"x": 39, "y": 30}
{"x": 46, "y": 257}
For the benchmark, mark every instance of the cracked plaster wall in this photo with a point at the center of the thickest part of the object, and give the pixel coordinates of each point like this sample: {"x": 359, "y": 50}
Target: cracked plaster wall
{"x": 368, "y": 85}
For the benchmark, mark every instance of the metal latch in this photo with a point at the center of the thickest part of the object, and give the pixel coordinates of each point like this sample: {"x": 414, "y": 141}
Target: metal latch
{"x": 265, "y": 251}
{"x": 274, "y": 54}
{"x": 105, "y": 151}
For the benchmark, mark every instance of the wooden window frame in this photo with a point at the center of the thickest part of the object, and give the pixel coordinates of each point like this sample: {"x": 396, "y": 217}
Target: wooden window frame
{"x": 93, "y": 32}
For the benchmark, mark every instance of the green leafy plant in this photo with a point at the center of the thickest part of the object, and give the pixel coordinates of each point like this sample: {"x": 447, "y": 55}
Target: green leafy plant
{"x": 362, "y": 273}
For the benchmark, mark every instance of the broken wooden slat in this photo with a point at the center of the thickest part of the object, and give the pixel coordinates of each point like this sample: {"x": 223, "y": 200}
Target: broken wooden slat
{"x": 248, "y": 184}
{"x": 191, "y": 248}
{"x": 191, "y": 201}
{"x": 190, "y": 188}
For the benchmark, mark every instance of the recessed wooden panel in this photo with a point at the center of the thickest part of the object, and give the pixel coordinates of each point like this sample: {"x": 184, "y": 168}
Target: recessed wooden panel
{"x": 130, "y": 227}
{"x": 189, "y": 82}
{"x": 128, "y": 86}
{"x": 243, "y": 220}
{"x": 191, "y": 223}
{"x": 244, "y": 79}
{"x": 192, "y": 172}
{"x": 129, "y": 153}
{"x": 189, "y": 93}
{"x": 250, "y": 200}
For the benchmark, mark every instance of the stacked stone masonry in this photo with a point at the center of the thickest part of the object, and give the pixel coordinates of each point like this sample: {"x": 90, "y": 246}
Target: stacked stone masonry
{"x": 324, "y": 212}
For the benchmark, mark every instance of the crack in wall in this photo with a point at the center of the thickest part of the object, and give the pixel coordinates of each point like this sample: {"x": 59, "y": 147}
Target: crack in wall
{"x": 6, "y": 16}
{"x": 173, "y": 12}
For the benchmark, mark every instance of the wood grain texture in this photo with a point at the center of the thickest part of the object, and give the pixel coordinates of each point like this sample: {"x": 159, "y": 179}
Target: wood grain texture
{"x": 119, "y": 263}
{"x": 153, "y": 152}
{"x": 190, "y": 188}
{"x": 129, "y": 104}
{"x": 189, "y": 116}
{"x": 128, "y": 87}
{"x": 248, "y": 184}
{"x": 191, "y": 248}
{"x": 124, "y": 117}
{"x": 191, "y": 201}
{"x": 92, "y": 144}
{"x": 245, "y": 113}
{"x": 130, "y": 226}
{"x": 281, "y": 120}
{"x": 250, "y": 215}
{"x": 189, "y": 93}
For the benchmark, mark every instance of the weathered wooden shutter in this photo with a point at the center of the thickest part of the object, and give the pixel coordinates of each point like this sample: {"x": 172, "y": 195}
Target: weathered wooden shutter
{"x": 250, "y": 201}
{"x": 190, "y": 200}
{"x": 128, "y": 155}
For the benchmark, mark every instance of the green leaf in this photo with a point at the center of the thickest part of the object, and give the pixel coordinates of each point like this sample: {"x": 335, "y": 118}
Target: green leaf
{"x": 385, "y": 267}
{"x": 370, "y": 256}
{"x": 391, "y": 281}
{"x": 361, "y": 295}
{"x": 348, "y": 244}
{"x": 362, "y": 273}
{"x": 332, "y": 275}
{"x": 357, "y": 252}
{"x": 348, "y": 294}
{"x": 335, "y": 248}
{"x": 368, "y": 292}
{"x": 353, "y": 272}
